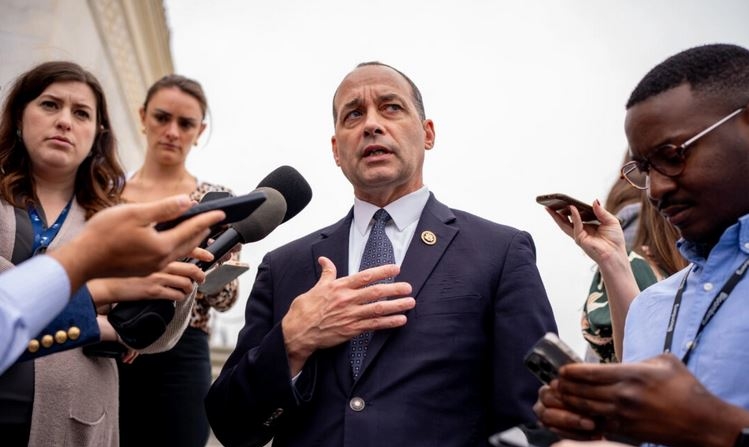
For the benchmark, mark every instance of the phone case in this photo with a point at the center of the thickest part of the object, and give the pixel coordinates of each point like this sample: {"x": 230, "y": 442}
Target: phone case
{"x": 236, "y": 208}
{"x": 561, "y": 202}
{"x": 548, "y": 355}
{"x": 220, "y": 276}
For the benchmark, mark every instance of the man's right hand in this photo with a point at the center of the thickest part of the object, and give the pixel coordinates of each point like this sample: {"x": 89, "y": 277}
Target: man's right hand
{"x": 338, "y": 309}
{"x": 122, "y": 241}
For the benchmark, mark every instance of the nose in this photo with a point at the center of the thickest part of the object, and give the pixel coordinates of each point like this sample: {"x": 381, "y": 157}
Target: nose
{"x": 172, "y": 130}
{"x": 658, "y": 185}
{"x": 372, "y": 126}
{"x": 64, "y": 119}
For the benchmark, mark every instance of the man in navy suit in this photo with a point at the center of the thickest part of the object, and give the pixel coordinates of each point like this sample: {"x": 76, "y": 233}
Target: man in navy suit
{"x": 444, "y": 365}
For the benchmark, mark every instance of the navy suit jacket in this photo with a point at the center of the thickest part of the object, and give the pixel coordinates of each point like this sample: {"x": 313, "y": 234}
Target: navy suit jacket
{"x": 452, "y": 376}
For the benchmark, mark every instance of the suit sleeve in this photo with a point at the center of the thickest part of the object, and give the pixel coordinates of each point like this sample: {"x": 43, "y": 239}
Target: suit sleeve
{"x": 74, "y": 327}
{"x": 254, "y": 388}
{"x": 522, "y": 315}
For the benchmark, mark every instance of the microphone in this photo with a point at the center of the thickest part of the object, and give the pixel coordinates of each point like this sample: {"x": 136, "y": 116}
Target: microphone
{"x": 287, "y": 194}
{"x": 294, "y": 188}
{"x": 253, "y": 228}
{"x": 207, "y": 197}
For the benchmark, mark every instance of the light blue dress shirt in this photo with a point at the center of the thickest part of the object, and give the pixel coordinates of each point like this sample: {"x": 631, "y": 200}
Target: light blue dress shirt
{"x": 720, "y": 358}
{"x": 29, "y": 299}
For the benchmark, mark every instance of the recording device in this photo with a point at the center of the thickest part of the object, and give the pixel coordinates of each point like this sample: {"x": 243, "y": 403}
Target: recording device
{"x": 253, "y": 228}
{"x": 215, "y": 229}
{"x": 548, "y": 355}
{"x": 561, "y": 203}
{"x": 287, "y": 193}
{"x": 235, "y": 208}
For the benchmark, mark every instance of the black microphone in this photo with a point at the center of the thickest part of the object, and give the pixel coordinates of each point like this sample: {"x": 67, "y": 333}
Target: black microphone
{"x": 253, "y": 228}
{"x": 213, "y": 195}
{"x": 287, "y": 194}
{"x": 294, "y": 188}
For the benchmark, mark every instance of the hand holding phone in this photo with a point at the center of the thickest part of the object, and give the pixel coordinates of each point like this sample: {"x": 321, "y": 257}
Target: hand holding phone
{"x": 548, "y": 355}
{"x": 236, "y": 209}
{"x": 561, "y": 203}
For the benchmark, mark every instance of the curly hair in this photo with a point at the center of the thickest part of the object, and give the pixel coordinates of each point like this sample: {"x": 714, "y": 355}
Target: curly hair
{"x": 100, "y": 178}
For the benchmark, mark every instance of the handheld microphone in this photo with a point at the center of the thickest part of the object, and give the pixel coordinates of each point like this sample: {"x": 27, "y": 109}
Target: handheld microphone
{"x": 207, "y": 197}
{"x": 287, "y": 194}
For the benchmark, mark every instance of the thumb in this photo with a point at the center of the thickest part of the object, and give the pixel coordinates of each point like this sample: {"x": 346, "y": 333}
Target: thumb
{"x": 328, "y": 269}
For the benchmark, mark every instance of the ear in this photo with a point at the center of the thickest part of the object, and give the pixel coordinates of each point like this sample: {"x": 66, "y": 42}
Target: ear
{"x": 334, "y": 145}
{"x": 429, "y": 134}
{"x": 142, "y": 113}
{"x": 203, "y": 125}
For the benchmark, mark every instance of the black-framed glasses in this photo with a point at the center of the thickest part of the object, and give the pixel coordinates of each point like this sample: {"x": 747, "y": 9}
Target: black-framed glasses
{"x": 667, "y": 159}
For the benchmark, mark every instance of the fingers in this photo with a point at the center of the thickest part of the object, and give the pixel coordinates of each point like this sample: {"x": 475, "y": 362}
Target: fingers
{"x": 328, "y": 269}
{"x": 201, "y": 254}
{"x": 162, "y": 210}
{"x": 188, "y": 234}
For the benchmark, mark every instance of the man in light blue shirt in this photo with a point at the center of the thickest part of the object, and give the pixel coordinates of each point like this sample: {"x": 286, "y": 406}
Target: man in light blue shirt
{"x": 687, "y": 125}
{"x": 119, "y": 241}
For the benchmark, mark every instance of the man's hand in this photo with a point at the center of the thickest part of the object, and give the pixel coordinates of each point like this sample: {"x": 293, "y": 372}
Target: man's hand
{"x": 336, "y": 310}
{"x": 121, "y": 240}
{"x": 657, "y": 401}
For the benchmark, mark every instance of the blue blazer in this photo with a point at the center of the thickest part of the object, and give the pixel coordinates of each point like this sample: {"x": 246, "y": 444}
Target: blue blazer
{"x": 452, "y": 376}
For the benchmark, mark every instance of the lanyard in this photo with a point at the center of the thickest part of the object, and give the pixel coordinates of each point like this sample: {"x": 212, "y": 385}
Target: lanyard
{"x": 44, "y": 236}
{"x": 718, "y": 301}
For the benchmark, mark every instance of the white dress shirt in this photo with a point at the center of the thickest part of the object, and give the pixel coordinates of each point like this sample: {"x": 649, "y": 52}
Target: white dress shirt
{"x": 405, "y": 213}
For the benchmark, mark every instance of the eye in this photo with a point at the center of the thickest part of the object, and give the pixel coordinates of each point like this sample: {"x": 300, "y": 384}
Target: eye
{"x": 82, "y": 114}
{"x": 667, "y": 155}
{"x": 392, "y": 107}
{"x": 186, "y": 124}
{"x": 162, "y": 118}
{"x": 352, "y": 115}
{"x": 48, "y": 104}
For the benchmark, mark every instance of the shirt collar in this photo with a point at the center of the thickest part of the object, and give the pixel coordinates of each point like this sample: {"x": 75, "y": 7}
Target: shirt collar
{"x": 736, "y": 234}
{"x": 403, "y": 211}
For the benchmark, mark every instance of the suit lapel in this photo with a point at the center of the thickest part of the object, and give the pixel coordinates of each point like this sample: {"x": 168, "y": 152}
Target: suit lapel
{"x": 333, "y": 245}
{"x": 435, "y": 224}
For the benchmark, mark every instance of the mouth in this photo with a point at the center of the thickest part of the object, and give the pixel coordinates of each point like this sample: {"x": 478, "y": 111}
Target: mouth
{"x": 61, "y": 139}
{"x": 375, "y": 150}
{"x": 169, "y": 145}
{"x": 676, "y": 214}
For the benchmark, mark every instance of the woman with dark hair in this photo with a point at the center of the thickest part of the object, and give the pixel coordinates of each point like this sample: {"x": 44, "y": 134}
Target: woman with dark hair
{"x": 162, "y": 394}
{"x": 59, "y": 167}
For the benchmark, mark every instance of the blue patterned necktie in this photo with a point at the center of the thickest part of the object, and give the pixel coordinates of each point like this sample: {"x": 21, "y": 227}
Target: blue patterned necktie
{"x": 378, "y": 251}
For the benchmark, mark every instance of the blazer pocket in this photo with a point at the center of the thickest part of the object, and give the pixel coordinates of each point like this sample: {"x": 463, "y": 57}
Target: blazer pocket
{"x": 88, "y": 428}
{"x": 460, "y": 304}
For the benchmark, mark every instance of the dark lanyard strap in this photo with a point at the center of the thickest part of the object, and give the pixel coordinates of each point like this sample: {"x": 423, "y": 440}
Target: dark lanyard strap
{"x": 44, "y": 236}
{"x": 718, "y": 301}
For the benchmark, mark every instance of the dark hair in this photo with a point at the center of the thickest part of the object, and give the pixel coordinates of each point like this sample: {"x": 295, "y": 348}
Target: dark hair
{"x": 187, "y": 85}
{"x": 716, "y": 70}
{"x": 99, "y": 179}
{"x": 415, "y": 93}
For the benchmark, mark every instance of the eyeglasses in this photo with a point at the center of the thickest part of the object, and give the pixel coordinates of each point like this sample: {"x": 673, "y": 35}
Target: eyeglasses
{"x": 667, "y": 159}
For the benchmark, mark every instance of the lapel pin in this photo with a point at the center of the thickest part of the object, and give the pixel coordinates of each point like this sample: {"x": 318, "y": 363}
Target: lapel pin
{"x": 428, "y": 237}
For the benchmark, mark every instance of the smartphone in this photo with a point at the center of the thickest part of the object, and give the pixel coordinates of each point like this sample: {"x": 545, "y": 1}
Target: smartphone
{"x": 220, "y": 276}
{"x": 236, "y": 209}
{"x": 561, "y": 202}
{"x": 547, "y": 356}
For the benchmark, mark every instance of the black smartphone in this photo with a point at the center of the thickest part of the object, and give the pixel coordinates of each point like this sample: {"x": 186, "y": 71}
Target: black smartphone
{"x": 236, "y": 209}
{"x": 561, "y": 202}
{"x": 548, "y": 355}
